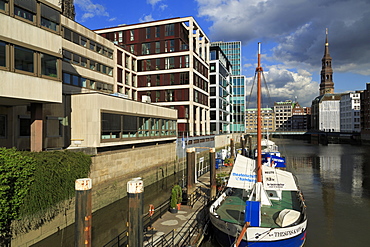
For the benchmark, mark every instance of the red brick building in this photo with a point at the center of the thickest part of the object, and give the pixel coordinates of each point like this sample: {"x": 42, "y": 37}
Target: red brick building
{"x": 172, "y": 68}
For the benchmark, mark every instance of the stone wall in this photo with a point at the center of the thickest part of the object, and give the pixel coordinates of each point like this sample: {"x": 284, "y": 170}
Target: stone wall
{"x": 110, "y": 173}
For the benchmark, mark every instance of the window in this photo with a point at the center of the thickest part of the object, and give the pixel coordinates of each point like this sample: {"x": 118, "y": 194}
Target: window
{"x": 3, "y": 4}
{"x": 76, "y": 38}
{"x": 83, "y": 41}
{"x": 25, "y": 9}
{"x": 50, "y": 18}
{"x": 120, "y": 36}
{"x": 75, "y": 80}
{"x": 24, "y": 126}
{"x": 92, "y": 45}
{"x": 23, "y": 59}
{"x": 49, "y": 65}
{"x": 2, "y": 54}
{"x": 132, "y": 35}
{"x": 2, "y": 123}
{"x": 110, "y": 126}
{"x": 157, "y": 47}
{"x": 147, "y": 32}
{"x": 148, "y": 64}
{"x": 145, "y": 48}
{"x": 172, "y": 45}
{"x": 157, "y": 32}
{"x": 54, "y": 126}
{"x": 157, "y": 63}
{"x": 170, "y": 30}
{"x": 92, "y": 65}
{"x": 67, "y": 78}
{"x": 67, "y": 34}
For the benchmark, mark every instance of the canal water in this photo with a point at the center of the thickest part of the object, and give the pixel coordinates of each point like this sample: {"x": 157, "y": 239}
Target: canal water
{"x": 335, "y": 180}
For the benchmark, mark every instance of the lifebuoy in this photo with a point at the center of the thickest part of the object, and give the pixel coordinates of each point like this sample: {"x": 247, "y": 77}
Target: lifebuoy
{"x": 151, "y": 210}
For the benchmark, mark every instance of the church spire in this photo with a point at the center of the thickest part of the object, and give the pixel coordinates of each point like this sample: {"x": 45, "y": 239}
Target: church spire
{"x": 327, "y": 84}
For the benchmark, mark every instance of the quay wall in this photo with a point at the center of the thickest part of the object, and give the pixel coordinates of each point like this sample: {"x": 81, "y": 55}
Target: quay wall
{"x": 110, "y": 172}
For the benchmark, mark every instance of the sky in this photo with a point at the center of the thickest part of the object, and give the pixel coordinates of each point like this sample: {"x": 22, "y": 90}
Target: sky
{"x": 292, "y": 33}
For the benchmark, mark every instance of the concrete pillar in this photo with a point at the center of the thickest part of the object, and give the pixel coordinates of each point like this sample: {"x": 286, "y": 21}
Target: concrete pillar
{"x": 83, "y": 212}
{"x": 36, "y": 137}
{"x": 135, "y": 189}
{"x": 212, "y": 176}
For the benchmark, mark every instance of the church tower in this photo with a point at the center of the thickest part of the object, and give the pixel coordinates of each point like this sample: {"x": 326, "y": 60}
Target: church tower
{"x": 327, "y": 84}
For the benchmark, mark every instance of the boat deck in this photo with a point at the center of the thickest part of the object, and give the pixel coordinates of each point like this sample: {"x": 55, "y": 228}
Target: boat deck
{"x": 232, "y": 207}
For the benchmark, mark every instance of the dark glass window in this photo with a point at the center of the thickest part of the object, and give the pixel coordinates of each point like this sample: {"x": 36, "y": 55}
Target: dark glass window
{"x": 50, "y": 18}
{"x": 2, "y": 126}
{"x": 25, "y": 9}
{"x": 66, "y": 78}
{"x": 3, "y": 4}
{"x": 24, "y": 126}
{"x": 67, "y": 34}
{"x": 23, "y": 59}
{"x": 111, "y": 125}
{"x": 49, "y": 65}
{"x": 2, "y": 54}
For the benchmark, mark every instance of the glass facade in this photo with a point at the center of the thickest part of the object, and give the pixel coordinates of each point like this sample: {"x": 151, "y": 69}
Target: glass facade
{"x": 233, "y": 52}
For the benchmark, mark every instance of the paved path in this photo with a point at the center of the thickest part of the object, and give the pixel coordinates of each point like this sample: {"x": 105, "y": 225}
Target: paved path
{"x": 176, "y": 221}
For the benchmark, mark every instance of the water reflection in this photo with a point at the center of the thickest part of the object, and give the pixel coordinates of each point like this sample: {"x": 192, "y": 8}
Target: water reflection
{"x": 335, "y": 180}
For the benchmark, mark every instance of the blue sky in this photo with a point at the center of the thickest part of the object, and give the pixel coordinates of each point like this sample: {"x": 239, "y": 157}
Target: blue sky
{"x": 292, "y": 33}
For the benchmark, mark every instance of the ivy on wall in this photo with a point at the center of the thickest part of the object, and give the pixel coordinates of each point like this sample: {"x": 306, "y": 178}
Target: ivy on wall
{"x": 32, "y": 185}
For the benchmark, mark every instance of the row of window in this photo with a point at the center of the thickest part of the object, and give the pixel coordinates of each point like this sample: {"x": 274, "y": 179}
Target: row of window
{"x": 120, "y": 126}
{"x": 163, "y": 46}
{"x": 79, "y": 81}
{"x": 24, "y": 60}
{"x": 87, "y": 63}
{"x": 85, "y": 42}
{"x": 54, "y": 126}
{"x": 164, "y": 79}
{"x": 164, "y": 63}
{"x": 27, "y": 10}
{"x": 128, "y": 65}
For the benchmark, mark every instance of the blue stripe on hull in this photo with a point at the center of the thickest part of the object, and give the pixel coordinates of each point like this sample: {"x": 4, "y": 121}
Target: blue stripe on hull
{"x": 227, "y": 241}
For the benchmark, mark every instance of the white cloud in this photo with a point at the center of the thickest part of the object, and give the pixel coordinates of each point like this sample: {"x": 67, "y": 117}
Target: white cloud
{"x": 298, "y": 27}
{"x": 153, "y": 2}
{"x": 284, "y": 85}
{"x": 90, "y": 9}
{"x": 146, "y": 18}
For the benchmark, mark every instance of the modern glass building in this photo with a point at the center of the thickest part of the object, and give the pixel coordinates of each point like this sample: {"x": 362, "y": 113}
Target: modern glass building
{"x": 220, "y": 92}
{"x": 238, "y": 102}
{"x": 233, "y": 52}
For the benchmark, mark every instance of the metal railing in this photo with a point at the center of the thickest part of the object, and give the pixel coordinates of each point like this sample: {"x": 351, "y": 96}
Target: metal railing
{"x": 193, "y": 227}
{"x": 122, "y": 239}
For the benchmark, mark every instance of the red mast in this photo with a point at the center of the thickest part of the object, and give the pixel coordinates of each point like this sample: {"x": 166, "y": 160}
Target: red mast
{"x": 259, "y": 123}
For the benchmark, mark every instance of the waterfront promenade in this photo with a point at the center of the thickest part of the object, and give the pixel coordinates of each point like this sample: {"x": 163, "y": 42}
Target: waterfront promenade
{"x": 187, "y": 226}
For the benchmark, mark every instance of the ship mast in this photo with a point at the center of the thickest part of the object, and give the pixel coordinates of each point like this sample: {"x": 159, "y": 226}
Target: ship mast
{"x": 259, "y": 122}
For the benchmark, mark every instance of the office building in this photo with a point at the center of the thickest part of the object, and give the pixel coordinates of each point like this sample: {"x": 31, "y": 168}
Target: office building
{"x": 220, "y": 92}
{"x": 173, "y": 64}
{"x": 60, "y": 88}
{"x": 267, "y": 120}
{"x": 350, "y": 109}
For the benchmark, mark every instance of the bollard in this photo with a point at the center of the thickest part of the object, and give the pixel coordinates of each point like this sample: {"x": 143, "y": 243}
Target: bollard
{"x": 212, "y": 175}
{"x": 242, "y": 141}
{"x": 83, "y": 210}
{"x": 190, "y": 166}
{"x": 232, "y": 154}
{"x": 135, "y": 189}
